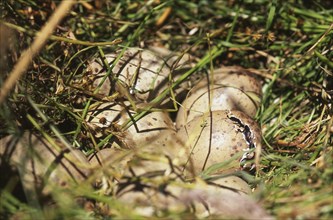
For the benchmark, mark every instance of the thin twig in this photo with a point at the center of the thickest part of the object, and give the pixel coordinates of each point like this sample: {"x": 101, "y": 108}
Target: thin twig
{"x": 41, "y": 38}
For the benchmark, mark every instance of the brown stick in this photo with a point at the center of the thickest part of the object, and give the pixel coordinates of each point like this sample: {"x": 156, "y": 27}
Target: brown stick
{"x": 41, "y": 38}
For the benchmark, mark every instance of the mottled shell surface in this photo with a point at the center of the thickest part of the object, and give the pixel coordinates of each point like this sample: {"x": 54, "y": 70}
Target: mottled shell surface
{"x": 223, "y": 136}
{"x": 203, "y": 100}
{"x": 199, "y": 199}
{"x": 154, "y": 131}
{"x": 141, "y": 72}
{"x": 39, "y": 162}
{"x": 232, "y": 76}
{"x": 226, "y": 88}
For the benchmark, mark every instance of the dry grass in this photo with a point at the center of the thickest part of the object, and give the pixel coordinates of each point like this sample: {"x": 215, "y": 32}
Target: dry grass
{"x": 287, "y": 43}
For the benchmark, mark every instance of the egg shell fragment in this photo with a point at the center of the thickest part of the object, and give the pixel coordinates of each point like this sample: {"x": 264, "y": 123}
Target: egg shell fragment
{"x": 225, "y": 136}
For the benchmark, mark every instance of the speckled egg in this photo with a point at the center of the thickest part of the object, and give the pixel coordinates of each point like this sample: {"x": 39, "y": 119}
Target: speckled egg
{"x": 197, "y": 198}
{"x": 203, "y": 100}
{"x": 233, "y": 76}
{"x": 141, "y": 72}
{"x": 152, "y": 132}
{"x": 41, "y": 165}
{"x": 229, "y": 137}
{"x": 228, "y": 89}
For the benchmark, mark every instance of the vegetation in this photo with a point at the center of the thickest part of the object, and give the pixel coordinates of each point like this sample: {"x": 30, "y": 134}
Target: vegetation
{"x": 288, "y": 44}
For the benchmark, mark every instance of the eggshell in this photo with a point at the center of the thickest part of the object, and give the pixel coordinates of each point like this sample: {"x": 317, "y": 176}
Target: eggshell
{"x": 41, "y": 165}
{"x": 175, "y": 60}
{"x": 202, "y": 100}
{"x": 152, "y": 132}
{"x": 223, "y": 136}
{"x": 232, "y": 76}
{"x": 226, "y": 88}
{"x": 197, "y": 199}
{"x": 141, "y": 72}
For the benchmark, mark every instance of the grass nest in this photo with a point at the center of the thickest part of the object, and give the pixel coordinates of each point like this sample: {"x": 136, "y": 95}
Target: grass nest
{"x": 287, "y": 44}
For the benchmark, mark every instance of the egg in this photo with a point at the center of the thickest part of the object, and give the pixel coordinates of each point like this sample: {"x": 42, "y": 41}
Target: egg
{"x": 150, "y": 198}
{"x": 229, "y": 137}
{"x": 41, "y": 165}
{"x": 141, "y": 72}
{"x": 226, "y": 90}
{"x": 134, "y": 177}
{"x": 197, "y": 199}
{"x": 175, "y": 60}
{"x": 201, "y": 101}
{"x": 232, "y": 76}
{"x": 151, "y": 186}
{"x": 153, "y": 132}
{"x": 221, "y": 203}
{"x": 140, "y": 75}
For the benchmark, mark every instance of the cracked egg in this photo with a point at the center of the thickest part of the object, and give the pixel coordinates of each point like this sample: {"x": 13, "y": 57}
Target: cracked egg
{"x": 229, "y": 138}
